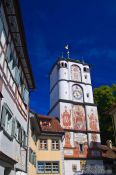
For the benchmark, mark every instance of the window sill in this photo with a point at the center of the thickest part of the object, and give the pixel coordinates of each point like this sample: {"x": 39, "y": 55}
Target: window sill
{"x": 7, "y": 134}
{"x": 43, "y": 149}
{"x": 55, "y": 149}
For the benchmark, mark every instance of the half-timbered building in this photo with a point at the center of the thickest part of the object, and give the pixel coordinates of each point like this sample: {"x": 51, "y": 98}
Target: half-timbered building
{"x": 16, "y": 80}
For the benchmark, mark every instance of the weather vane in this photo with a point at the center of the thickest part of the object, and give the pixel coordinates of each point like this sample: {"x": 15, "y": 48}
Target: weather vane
{"x": 67, "y": 49}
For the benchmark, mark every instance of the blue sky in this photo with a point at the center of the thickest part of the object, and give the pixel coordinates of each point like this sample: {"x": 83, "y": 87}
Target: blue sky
{"x": 88, "y": 26}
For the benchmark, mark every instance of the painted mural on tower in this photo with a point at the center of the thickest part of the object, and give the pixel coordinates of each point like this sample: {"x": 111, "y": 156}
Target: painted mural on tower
{"x": 79, "y": 122}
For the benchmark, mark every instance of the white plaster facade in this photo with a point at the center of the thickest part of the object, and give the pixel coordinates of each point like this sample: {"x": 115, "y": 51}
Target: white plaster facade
{"x": 66, "y": 93}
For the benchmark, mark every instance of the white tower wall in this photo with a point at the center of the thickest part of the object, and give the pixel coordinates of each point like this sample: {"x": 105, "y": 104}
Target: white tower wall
{"x": 63, "y": 90}
{"x": 53, "y": 76}
{"x": 72, "y": 101}
{"x": 54, "y": 95}
{"x": 63, "y": 70}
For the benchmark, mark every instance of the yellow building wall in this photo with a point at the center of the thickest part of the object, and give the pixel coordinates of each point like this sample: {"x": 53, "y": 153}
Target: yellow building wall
{"x": 31, "y": 144}
{"x": 49, "y": 154}
{"x": 44, "y": 155}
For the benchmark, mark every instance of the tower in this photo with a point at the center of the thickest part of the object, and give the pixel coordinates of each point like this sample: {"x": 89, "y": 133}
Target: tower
{"x": 71, "y": 99}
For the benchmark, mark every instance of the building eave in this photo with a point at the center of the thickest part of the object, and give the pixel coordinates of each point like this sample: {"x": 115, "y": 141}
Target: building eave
{"x": 7, "y": 159}
{"x": 15, "y": 24}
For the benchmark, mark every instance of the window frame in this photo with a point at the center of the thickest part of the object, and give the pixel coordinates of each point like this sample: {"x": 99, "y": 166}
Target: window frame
{"x": 18, "y": 132}
{"x": 43, "y": 163}
{"x": 55, "y": 144}
{"x": 44, "y": 149}
{"x": 6, "y": 113}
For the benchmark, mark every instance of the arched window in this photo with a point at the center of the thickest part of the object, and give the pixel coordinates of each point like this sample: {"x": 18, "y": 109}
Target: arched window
{"x": 75, "y": 73}
{"x": 65, "y": 64}
{"x": 62, "y": 64}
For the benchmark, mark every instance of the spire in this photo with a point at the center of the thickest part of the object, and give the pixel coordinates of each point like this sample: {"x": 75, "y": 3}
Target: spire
{"x": 67, "y": 50}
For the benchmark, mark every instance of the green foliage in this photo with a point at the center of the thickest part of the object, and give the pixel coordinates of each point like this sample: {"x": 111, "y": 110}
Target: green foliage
{"x": 105, "y": 97}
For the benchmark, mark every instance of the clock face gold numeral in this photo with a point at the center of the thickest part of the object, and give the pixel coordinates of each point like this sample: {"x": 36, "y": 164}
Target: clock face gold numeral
{"x": 77, "y": 93}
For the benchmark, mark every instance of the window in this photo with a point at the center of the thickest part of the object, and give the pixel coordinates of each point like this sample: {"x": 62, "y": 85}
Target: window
{"x": 85, "y": 76}
{"x": 87, "y": 94}
{"x": 55, "y": 145}
{"x": 86, "y": 69}
{"x": 74, "y": 168}
{"x": 18, "y": 132}
{"x": 81, "y": 148}
{"x": 43, "y": 144}
{"x": 48, "y": 167}
{"x": 65, "y": 64}
{"x": 62, "y": 64}
{"x": 7, "y": 120}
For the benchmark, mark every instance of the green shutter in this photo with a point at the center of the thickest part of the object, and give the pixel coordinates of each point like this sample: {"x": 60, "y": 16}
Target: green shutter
{"x": 20, "y": 135}
{"x": 10, "y": 124}
{"x": 26, "y": 96}
{"x": 35, "y": 159}
{"x": 30, "y": 152}
{"x": 23, "y": 138}
{"x": 15, "y": 133}
{"x": 13, "y": 127}
{"x": 3, "y": 117}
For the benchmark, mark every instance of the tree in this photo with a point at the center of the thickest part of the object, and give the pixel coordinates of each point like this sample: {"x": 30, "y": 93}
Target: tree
{"x": 105, "y": 97}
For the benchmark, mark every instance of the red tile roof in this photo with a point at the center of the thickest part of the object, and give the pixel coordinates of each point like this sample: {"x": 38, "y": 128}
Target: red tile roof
{"x": 108, "y": 152}
{"x": 49, "y": 124}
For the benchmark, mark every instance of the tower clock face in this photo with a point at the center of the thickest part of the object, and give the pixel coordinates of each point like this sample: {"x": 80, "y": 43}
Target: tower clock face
{"x": 77, "y": 92}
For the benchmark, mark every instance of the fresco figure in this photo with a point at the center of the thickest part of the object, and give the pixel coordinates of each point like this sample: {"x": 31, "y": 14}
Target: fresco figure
{"x": 66, "y": 119}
